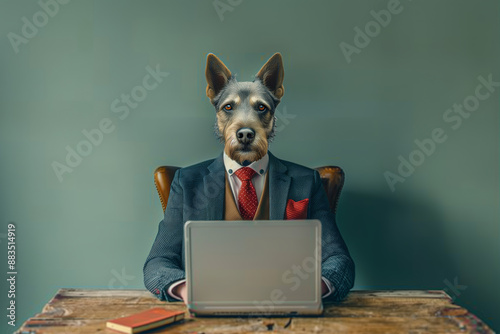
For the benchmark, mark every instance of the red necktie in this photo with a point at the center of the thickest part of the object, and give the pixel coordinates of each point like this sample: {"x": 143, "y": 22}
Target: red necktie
{"x": 247, "y": 197}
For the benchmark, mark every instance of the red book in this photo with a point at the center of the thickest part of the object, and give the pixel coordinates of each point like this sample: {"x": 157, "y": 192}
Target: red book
{"x": 142, "y": 321}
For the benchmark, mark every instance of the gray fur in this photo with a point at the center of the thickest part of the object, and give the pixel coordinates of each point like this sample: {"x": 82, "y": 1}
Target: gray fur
{"x": 244, "y": 89}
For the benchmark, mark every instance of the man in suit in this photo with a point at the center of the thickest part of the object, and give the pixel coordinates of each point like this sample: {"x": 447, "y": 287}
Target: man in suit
{"x": 245, "y": 181}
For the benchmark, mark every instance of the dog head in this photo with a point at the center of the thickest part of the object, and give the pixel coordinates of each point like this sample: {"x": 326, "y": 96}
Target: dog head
{"x": 245, "y": 120}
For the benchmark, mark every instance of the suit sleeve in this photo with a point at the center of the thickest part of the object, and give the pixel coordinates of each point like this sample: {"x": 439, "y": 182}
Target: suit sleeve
{"x": 163, "y": 265}
{"x": 337, "y": 265}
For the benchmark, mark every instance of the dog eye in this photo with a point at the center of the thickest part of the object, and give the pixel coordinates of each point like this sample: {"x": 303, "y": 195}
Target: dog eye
{"x": 228, "y": 107}
{"x": 262, "y": 107}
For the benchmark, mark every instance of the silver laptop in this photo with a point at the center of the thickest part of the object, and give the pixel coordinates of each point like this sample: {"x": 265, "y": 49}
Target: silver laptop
{"x": 253, "y": 268}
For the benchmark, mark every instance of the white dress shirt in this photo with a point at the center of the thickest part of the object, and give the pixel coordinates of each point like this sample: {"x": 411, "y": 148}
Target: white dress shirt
{"x": 260, "y": 166}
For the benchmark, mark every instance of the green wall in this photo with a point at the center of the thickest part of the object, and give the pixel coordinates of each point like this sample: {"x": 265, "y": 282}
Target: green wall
{"x": 95, "y": 226}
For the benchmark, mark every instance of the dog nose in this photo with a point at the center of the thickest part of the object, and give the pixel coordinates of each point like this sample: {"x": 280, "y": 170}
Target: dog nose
{"x": 245, "y": 135}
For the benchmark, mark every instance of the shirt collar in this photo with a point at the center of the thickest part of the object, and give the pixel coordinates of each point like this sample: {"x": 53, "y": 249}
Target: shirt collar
{"x": 260, "y": 166}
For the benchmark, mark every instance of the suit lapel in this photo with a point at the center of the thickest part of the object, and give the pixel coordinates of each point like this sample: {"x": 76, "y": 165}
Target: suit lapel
{"x": 279, "y": 184}
{"x": 214, "y": 187}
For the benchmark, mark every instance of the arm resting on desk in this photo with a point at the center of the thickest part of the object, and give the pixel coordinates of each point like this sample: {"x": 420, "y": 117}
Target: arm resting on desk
{"x": 163, "y": 264}
{"x": 337, "y": 265}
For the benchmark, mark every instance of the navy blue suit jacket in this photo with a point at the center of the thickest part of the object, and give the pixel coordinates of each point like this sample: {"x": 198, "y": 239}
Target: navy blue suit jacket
{"x": 197, "y": 193}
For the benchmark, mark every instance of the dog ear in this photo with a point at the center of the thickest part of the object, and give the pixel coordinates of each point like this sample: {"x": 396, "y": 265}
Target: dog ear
{"x": 217, "y": 75}
{"x": 272, "y": 74}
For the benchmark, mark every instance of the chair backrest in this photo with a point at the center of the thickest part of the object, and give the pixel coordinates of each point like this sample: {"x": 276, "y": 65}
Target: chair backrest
{"x": 332, "y": 177}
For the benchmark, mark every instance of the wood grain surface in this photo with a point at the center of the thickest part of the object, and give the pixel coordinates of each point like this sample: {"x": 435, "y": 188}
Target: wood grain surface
{"x": 363, "y": 311}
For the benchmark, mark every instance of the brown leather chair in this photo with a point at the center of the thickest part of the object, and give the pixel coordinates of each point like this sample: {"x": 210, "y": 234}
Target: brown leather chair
{"x": 332, "y": 177}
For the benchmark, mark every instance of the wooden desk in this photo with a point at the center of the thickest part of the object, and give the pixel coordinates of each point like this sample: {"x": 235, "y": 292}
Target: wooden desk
{"x": 399, "y": 311}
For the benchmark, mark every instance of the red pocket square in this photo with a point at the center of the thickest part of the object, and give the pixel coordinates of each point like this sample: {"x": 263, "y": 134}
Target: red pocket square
{"x": 296, "y": 210}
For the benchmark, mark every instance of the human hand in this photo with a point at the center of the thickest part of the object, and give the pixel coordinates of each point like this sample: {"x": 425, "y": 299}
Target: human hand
{"x": 324, "y": 288}
{"x": 181, "y": 290}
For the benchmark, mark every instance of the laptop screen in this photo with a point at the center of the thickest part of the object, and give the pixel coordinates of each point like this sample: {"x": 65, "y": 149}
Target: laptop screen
{"x": 252, "y": 262}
